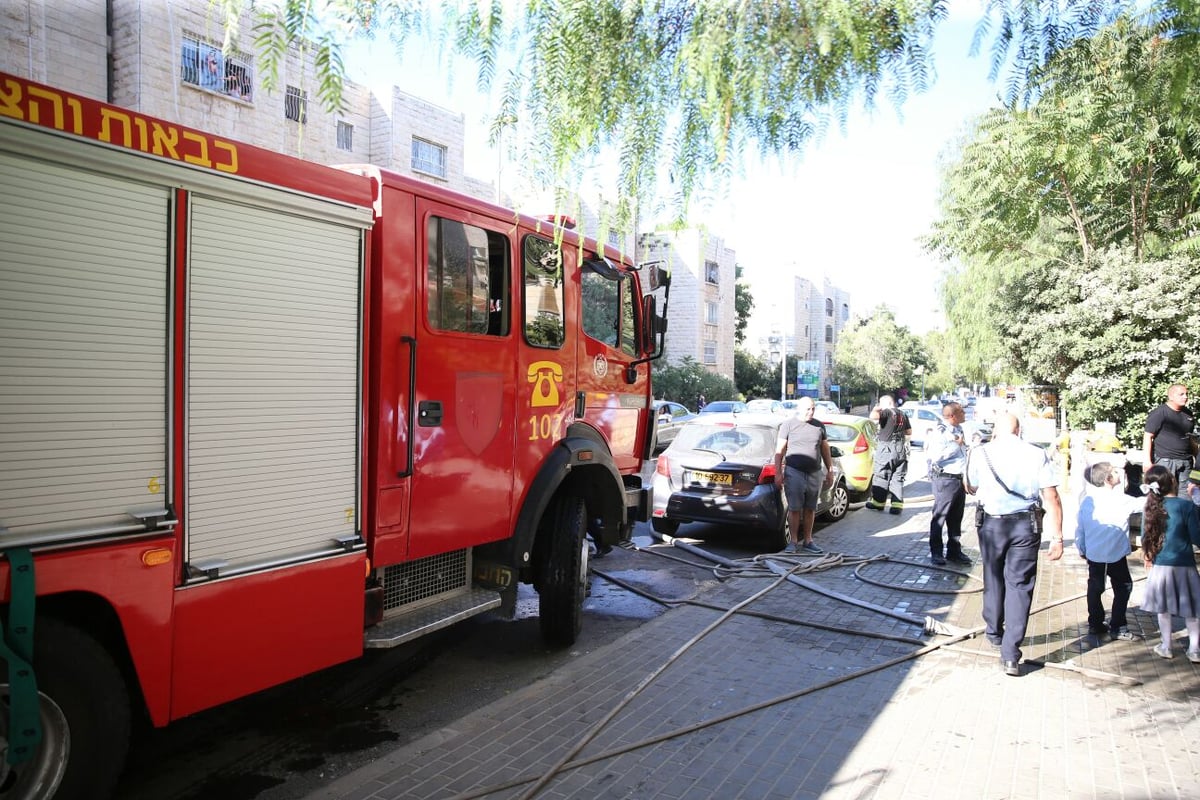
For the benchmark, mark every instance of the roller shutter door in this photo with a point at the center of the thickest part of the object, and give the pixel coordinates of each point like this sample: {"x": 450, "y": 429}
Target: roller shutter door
{"x": 272, "y": 384}
{"x": 83, "y": 325}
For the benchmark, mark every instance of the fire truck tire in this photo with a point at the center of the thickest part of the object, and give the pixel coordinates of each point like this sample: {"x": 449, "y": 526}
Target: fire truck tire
{"x": 564, "y": 576}
{"x": 85, "y": 719}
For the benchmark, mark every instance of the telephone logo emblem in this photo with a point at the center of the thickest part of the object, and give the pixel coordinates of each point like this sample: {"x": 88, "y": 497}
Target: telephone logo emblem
{"x": 545, "y": 377}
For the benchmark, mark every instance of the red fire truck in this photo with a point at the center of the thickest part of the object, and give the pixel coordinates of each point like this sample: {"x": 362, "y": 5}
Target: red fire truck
{"x": 258, "y": 414}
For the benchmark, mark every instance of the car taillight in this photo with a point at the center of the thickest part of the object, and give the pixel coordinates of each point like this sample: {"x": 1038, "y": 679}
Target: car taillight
{"x": 664, "y": 466}
{"x": 767, "y": 475}
{"x": 860, "y": 444}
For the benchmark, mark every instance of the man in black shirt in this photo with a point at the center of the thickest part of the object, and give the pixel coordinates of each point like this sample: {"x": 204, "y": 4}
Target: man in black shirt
{"x": 1168, "y": 439}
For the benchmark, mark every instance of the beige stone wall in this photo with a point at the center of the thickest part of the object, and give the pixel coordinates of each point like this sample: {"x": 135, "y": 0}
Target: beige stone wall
{"x": 62, "y": 43}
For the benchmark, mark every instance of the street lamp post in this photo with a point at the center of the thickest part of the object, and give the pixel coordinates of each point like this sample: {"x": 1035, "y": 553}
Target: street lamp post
{"x": 921, "y": 371}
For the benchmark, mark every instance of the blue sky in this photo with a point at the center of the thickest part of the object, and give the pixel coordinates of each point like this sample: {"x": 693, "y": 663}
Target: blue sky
{"x": 851, "y": 206}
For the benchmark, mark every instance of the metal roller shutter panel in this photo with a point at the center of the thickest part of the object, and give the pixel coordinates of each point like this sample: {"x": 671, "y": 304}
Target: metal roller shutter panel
{"x": 272, "y": 384}
{"x": 83, "y": 326}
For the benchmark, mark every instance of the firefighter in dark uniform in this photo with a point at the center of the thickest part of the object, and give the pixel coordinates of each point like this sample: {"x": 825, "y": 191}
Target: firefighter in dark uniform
{"x": 891, "y": 456}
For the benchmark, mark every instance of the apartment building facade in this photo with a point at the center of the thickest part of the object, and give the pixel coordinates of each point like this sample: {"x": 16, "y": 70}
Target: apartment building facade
{"x": 166, "y": 59}
{"x": 703, "y": 313}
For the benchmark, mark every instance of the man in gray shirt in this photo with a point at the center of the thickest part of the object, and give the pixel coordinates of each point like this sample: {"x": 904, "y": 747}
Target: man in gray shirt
{"x": 801, "y": 450}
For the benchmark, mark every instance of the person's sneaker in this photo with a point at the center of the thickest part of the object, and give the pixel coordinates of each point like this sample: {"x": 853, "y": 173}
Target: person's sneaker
{"x": 1125, "y": 635}
{"x": 792, "y": 547}
{"x": 959, "y": 558}
{"x": 938, "y": 560}
{"x": 811, "y": 548}
{"x": 1163, "y": 652}
{"x": 1193, "y": 656}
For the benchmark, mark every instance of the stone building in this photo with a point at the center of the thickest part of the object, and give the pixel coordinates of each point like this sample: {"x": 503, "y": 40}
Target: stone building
{"x": 165, "y": 59}
{"x": 702, "y": 314}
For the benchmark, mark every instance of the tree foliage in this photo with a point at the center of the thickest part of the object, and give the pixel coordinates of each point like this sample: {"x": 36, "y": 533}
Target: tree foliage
{"x": 687, "y": 380}
{"x": 878, "y": 354}
{"x": 1065, "y": 215}
{"x": 754, "y": 376}
{"x": 743, "y": 302}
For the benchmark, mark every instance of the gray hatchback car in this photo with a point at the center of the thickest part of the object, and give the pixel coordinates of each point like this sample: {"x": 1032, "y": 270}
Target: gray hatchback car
{"x": 721, "y": 469}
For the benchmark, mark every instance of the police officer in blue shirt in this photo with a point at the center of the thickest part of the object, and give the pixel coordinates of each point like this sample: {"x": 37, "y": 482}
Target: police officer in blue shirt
{"x": 1008, "y": 475}
{"x": 947, "y": 461}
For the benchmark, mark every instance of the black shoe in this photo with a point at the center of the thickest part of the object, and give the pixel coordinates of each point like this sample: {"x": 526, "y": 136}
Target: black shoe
{"x": 1010, "y": 668}
{"x": 995, "y": 642}
{"x": 870, "y": 505}
{"x": 1098, "y": 630}
{"x": 938, "y": 560}
{"x": 895, "y": 510}
{"x": 959, "y": 558}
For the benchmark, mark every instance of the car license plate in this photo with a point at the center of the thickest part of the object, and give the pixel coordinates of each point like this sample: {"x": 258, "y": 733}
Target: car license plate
{"x": 720, "y": 478}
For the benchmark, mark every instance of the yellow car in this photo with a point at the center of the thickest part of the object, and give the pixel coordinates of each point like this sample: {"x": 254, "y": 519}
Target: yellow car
{"x": 853, "y": 441}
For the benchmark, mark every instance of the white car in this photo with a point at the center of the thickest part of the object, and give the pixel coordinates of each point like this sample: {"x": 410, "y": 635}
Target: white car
{"x": 763, "y": 405}
{"x": 923, "y": 419}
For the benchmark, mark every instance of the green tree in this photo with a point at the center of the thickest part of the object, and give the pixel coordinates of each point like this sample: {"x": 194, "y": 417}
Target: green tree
{"x": 687, "y": 380}
{"x": 878, "y": 354}
{"x": 743, "y": 302}
{"x": 1081, "y": 195}
{"x": 753, "y": 376}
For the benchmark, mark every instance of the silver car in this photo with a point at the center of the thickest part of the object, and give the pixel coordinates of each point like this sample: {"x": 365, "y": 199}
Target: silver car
{"x": 721, "y": 468}
{"x": 669, "y": 418}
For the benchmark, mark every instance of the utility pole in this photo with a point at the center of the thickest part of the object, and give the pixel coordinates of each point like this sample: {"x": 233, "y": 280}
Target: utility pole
{"x": 783, "y": 369}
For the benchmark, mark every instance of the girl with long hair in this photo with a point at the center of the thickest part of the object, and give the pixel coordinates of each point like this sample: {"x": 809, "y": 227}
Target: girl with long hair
{"x": 1170, "y": 528}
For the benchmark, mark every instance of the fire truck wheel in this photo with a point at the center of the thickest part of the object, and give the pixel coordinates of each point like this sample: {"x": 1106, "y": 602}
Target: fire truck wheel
{"x": 564, "y": 575}
{"x": 85, "y": 719}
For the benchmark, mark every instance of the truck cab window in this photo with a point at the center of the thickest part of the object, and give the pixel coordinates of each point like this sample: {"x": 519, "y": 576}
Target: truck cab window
{"x": 467, "y": 275}
{"x": 608, "y": 306}
{"x": 543, "y": 293}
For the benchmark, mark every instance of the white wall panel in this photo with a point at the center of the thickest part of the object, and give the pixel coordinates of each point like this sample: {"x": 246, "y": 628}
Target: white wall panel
{"x": 272, "y": 383}
{"x": 83, "y": 348}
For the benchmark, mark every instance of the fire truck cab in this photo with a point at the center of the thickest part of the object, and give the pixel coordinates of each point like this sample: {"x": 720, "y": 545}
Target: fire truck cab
{"x": 258, "y": 414}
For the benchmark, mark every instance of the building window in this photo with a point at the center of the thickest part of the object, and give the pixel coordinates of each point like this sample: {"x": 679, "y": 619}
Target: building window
{"x": 614, "y": 238}
{"x": 466, "y": 278}
{"x": 710, "y": 352}
{"x": 295, "y": 105}
{"x": 828, "y": 334}
{"x": 712, "y": 272}
{"x": 828, "y": 307}
{"x": 345, "y": 136}
{"x": 845, "y": 312}
{"x": 203, "y": 64}
{"x": 543, "y": 293}
{"x": 429, "y": 158}
{"x": 829, "y": 360}
{"x": 711, "y": 315}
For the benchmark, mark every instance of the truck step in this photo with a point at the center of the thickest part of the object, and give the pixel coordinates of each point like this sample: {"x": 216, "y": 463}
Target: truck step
{"x": 409, "y": 625}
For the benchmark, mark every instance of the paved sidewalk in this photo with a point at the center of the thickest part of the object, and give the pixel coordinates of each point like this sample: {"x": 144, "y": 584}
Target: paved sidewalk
{"x": 865, "y": 705}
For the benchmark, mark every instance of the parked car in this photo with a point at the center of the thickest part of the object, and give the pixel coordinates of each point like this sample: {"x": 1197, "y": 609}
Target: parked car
{"x": 724, "y": 407}
{"x": 825, "y": 408}
{"x": 765, "y": 406}
{"x": 854, "y": 440}
{"x": 669, "y": 418}
{"x": 976, "y": 432}
{"x": 721, "y": 469}
{"x": 922, "y": 419}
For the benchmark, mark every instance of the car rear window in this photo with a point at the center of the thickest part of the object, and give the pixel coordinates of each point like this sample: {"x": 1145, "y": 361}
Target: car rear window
{"x": 840, "y": 433}
{"x": 745, "y": 441}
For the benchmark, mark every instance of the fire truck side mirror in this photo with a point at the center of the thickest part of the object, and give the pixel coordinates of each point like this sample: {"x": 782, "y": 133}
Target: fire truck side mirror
{"x": 654, "y": 327}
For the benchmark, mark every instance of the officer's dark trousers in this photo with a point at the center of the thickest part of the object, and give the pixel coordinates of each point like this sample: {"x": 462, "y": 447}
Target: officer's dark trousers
{"x": 949, "y": 499}
{"x": 891, "y": 467}
{"x": 1010, "y": 551}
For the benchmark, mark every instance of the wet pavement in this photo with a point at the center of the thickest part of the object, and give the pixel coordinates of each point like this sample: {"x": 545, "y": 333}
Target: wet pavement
{"x": 834, "y": 687}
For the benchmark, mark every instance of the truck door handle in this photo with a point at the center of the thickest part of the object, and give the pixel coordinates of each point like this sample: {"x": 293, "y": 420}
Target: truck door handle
{"x": 429, "y": 413}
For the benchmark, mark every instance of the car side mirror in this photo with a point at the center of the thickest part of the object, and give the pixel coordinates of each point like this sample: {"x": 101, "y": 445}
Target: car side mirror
{"x": 836, "y": 452}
